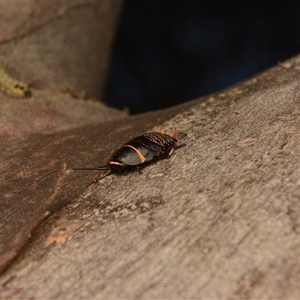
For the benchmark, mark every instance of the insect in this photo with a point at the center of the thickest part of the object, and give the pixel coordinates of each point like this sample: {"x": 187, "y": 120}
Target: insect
{"x": 12, "y": 87}
{"x": 139, "y": 152}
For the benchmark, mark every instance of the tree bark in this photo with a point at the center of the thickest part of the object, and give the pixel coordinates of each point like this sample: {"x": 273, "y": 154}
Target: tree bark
{"x": 219, "y": 219}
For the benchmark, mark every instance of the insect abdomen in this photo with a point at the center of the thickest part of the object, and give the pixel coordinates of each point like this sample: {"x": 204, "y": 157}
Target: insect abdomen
{"x": 145, "y": 148}
{"x": 154, "y": 141}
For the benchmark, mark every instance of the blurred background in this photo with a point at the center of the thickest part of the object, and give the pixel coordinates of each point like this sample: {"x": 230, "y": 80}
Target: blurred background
{"x": 169, "y": 52}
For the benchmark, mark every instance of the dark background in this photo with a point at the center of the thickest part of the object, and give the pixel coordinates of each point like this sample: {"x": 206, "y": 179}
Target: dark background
{"x": 168, "y": 52}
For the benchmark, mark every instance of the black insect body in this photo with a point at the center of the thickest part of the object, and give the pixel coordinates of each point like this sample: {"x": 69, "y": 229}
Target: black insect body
{"x": 139, "y": 151}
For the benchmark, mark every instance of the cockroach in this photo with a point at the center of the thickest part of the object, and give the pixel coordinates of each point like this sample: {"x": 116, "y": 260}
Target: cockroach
{"x": 139, "y": 152}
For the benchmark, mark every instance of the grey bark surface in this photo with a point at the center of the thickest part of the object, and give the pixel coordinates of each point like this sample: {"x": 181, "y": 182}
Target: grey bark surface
{"x": 61, "y": 50}
{"x": 58, "y": 45}
{"x": 219, "y": 219}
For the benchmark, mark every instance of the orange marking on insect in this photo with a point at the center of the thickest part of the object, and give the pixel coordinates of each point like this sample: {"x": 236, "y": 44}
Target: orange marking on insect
{"x": 174, "y": 135}
{"x": 115, "y": 163}
{"x": 140, "y": 155}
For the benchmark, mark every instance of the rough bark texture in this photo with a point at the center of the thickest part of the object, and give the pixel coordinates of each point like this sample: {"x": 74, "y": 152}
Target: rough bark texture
{"x": 58, "y": 45}
{"x": 219, "y": 219}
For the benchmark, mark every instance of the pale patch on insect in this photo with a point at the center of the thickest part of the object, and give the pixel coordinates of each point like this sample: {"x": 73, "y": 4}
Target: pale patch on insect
{"x": 13, "y": 87}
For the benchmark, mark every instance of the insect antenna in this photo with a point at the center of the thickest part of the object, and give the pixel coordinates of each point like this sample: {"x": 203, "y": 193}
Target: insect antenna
{"x": 92, "y": 168}
{"x": 106, "y": 168}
